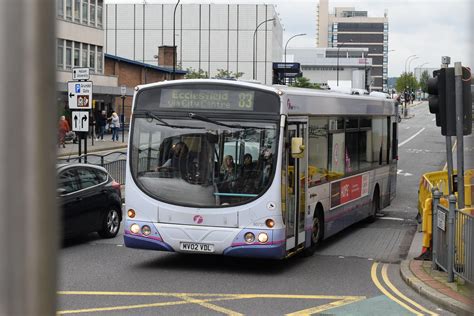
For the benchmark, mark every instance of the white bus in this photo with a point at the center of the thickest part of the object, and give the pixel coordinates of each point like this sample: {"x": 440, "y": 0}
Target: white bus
{"x": 242, "y": 169}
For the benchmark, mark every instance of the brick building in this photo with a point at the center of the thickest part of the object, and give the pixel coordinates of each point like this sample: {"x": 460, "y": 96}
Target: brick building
{"x": 131, "y": 73}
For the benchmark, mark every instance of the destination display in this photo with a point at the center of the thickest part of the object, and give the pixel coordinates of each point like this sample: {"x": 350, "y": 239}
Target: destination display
{"x": 204, "y": 99}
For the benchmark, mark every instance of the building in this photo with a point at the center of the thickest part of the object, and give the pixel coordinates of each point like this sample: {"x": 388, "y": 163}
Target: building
{"x": 207, "y": 36}
{"x": 80, "y": 43}
{"x": 347, "y": 27}
{"x": 322, "y": 66}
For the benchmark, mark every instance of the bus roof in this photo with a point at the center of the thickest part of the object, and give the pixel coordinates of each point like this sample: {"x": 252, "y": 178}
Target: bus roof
{"x": 301, "y": 101}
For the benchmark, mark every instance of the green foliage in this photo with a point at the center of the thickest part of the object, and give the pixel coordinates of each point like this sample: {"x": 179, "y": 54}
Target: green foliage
{"x": 196, "y": 74}
{"x": 225, "y": 74}
{"x": 406, "y": 81}
{"x": 303, "y": 82}
{"x": 424, "y": 81}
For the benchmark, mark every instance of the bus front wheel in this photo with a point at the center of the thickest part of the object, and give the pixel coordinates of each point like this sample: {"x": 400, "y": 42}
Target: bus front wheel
{"x": 375, "y": 207}
{"x": 317, "y": 233}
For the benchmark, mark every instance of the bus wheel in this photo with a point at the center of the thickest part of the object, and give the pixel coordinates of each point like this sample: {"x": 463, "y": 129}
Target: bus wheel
{"x": 374, "y": 207}
{"x": 110, "y": 223}
{"x": 317, "y": 233}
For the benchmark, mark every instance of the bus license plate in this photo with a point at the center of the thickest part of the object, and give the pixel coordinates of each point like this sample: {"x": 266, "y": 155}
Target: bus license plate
{"x": 195, "y": 247}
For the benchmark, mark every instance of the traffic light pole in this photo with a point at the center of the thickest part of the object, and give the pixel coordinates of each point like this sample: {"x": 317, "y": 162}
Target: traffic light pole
{"x": 459, "y": 132}
{"x": 449, "y": 163}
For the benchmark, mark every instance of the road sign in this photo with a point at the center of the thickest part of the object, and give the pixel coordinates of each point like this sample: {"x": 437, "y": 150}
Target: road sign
{"x": 80, "y": 74}
{"x": 80, "y": 95}
{"x": 80, "y": 121}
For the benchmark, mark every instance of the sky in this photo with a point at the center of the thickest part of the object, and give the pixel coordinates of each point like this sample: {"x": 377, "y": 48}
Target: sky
{"x": 428, "y": 29}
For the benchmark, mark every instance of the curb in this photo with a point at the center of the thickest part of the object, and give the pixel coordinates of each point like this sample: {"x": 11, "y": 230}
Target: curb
{"x": 442, "y": 300}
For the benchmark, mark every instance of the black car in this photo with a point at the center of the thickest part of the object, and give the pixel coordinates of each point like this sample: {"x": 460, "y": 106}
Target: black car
{"x": 90, "y": 200}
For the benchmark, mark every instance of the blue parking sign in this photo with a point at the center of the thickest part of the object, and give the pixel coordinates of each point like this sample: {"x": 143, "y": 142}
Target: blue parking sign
{"x": 78, "y": 88}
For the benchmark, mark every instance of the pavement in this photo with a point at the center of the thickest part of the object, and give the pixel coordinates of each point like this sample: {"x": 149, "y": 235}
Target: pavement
{"x": 95, "y": 145}
{"x": 456, "y": 297}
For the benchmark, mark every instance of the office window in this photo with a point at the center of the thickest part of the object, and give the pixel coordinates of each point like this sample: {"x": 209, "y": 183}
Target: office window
{"x": 77, "y": 11}
{"x": 99, "y": 60}
{"x": 68, "y": 54}
{"x": 85, "y": 55}
{"x": 69, "y": 10}
{"x": 77, "y": 53}
{"x": 60, "y": 8}
{"x": 92, "y": 13}
{"x": 92, "y": 57}
{"x": 60, "y": 54}
{"x": 85, "y": 11}
{"x": 99, "y": 12}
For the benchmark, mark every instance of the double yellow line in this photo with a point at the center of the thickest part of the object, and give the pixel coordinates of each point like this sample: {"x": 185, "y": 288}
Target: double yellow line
{"x": 397, "y": 296}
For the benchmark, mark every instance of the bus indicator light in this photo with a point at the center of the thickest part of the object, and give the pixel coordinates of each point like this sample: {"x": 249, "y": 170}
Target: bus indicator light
{"x": 131, "y": 213}
{"x": 270, "y": 223}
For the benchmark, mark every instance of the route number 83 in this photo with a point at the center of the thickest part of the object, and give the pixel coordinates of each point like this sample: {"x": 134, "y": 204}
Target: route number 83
{"x": 246, "y": 100}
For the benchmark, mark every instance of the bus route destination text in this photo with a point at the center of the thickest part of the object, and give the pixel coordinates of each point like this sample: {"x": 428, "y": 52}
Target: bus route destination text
{"x": 207, "y": 99}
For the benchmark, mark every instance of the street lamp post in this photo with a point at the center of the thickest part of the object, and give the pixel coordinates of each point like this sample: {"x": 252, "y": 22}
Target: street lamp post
{"x": 406, "y": 60}
{"x": 255, "y": 49}
{"x": 337, "y": 67}
{"x": 174, "y": 45}
{"x": 284, "y": 69}
{"x": 123, "y": 92}
{"x": 409, "y": 63}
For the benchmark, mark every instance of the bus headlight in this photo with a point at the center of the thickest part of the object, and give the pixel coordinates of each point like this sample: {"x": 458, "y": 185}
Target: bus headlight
{"x": 249, "y": 237}
{"x": 135, "y": 228}
{"x": 146, "y": 230}
{"x": 263, "y": 237}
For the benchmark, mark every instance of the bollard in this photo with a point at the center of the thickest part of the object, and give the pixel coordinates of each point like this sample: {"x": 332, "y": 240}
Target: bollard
{"x": 436, "y": 196}
{"x": 451, "y": 228}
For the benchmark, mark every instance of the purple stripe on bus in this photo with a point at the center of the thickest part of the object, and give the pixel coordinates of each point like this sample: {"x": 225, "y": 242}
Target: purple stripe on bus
{"x": 127, "y": 232}
{"x": 278, "y": 242}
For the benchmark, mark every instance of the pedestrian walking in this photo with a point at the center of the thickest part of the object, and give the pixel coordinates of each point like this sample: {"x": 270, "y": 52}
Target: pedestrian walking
{"x": 63, "y": 128}
{"x": 114, "y": 125}
{"x": 102, "y": 122}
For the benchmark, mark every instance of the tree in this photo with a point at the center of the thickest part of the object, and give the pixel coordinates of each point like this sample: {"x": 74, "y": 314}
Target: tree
{"x": 303, "y": 82}
{"x": 196, "y": 74}
{"x": 406, "y": 82}
{"x": 424, "y": 81}
{"x": 225, "y": 74}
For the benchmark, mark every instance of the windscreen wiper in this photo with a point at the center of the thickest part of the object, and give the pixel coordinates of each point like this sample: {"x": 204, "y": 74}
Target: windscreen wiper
{"x": 164, "y": 123}
{"x": 195, "y": 116}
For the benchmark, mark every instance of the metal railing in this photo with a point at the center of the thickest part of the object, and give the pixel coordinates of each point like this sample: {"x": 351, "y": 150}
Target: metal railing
{"x": 114, "y": 163}
{"x": 453, "y": 243}
{"x": 464, "y": 246}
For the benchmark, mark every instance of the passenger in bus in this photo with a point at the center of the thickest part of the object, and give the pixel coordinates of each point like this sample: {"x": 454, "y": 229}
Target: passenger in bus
{"x": 248, "y": 178}
{"x": 229, "y": 174}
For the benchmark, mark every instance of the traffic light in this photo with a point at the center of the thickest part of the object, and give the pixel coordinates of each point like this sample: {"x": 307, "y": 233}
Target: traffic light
{"x": 437, "y": 95}
{"x": 442, "y": 100}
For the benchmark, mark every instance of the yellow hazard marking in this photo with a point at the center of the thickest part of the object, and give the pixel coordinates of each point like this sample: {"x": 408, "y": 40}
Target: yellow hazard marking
{"x": 377, "y": 283}
{"x": 205, "y": 299}
{"x": 325, "y": 307}
{"x": 401, "y": 295}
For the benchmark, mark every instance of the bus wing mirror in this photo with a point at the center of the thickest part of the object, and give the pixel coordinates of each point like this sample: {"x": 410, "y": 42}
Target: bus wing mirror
{"x": 297, "y": 147}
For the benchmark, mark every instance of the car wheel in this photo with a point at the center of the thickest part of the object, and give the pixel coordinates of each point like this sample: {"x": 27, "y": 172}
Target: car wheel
{"x": 317, "y": 233}
{"x": 110, "y": 224}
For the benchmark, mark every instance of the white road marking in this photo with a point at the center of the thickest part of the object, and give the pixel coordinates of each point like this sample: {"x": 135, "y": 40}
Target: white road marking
{"x": 392, "y": 218}
{"x": 405, "y": 174}
{"x": 406, "y": 141}
{"x": 433, "y": 119}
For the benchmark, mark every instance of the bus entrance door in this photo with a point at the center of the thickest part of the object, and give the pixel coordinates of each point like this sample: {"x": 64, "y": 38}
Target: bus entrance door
{"x": 296, "y": 188}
